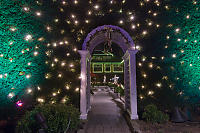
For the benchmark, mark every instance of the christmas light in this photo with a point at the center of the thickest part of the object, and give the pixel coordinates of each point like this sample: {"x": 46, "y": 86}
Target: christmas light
{"x": 38, "y": 88}
{"x": 19, "y": 103}
{"x": 77, "y": 89}
{"x": 13, "y": 29}
{"x": 159, "y": 85}
{"x": 11, "y": 95}
{"x": 29, "y": 91}
{"x": 26, "y": 9}
{"x": 133, "y": 26}
{"x": 40, "y": 100}
{"x": 38, "y": 13}
{"x": 96, "y": 7}
{"x": 28, "y": 37}
{"x": 75, "y": 1}
{"x": 150, "y": 93}
{"x": 28, "y": 76}
{"x": 67, "y": 87}
{"x": 144, "y": 32}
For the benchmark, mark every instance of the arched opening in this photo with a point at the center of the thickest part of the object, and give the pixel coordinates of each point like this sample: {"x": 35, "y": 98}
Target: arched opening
{"x": 106, "y": 66}
{"x": 121, "y": 38}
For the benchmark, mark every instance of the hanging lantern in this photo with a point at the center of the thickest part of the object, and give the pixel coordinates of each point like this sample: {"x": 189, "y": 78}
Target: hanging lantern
{"x": 107, "y": 45}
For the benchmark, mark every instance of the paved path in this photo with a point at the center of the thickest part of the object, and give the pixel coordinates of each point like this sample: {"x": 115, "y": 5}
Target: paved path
{"x": 105, "y": 116}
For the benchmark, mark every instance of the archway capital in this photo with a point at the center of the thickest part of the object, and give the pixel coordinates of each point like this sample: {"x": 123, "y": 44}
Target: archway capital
{"x": 84, "y": 54}
{"x": 129, "y": 53}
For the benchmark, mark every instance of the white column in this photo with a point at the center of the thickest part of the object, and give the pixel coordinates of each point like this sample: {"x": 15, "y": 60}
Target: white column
{"x": 83, "y": 91}
{"x": 133, "y": 88}
{"x": 126, "y": 78}
{"x": 88, "y": 82}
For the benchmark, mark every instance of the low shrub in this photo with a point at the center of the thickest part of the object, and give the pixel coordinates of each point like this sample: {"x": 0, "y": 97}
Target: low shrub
{"x": 152, "y": 114}
{"x": 120, "y": 90}
{"x": 117, "y": 88}
{"x": 57, "y": 117}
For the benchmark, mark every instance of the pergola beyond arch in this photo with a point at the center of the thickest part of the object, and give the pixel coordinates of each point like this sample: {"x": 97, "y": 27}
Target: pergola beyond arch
{"x": 123, "y": 39}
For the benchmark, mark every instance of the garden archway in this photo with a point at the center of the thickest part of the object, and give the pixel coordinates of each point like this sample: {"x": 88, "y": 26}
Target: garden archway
{"x": 123, "y": 39}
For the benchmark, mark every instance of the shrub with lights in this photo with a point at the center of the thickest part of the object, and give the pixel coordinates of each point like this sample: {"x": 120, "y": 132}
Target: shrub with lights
{"x": 22, "y": 53}
{"x": 180, "y": 41}
{"x": 165, "y": 33}
{"x": 52, "y": 118}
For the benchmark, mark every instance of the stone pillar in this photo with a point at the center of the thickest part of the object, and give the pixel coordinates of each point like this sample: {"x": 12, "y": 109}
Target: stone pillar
{"x": 133, "y": 87}
{"x": 126, "y": 80}
{"x": 83, "y": 90}
{"x": 131, "y": 56}
{"x": 88, "y": 83}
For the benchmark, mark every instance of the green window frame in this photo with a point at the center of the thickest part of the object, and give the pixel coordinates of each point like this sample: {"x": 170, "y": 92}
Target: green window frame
{"x": 97, "y": 67}
{"x": 107, "y": 68}
{"x": 118, "y": 67}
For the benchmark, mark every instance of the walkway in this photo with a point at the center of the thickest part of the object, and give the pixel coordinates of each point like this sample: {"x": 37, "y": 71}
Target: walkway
{"x": 105, "y": 116}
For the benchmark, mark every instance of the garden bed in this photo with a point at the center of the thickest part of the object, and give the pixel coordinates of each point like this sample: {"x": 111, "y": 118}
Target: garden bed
{"x": 140, "y": 126}
{"x": 186, "y": 127}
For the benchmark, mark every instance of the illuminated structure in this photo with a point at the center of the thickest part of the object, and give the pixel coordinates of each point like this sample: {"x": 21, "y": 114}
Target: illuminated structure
{"x": 105, "y": 64}
{"x": 121, "y": 38}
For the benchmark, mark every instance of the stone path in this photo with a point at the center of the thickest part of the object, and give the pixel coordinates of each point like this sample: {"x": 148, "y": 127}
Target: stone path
{"x": 105, "y": 116}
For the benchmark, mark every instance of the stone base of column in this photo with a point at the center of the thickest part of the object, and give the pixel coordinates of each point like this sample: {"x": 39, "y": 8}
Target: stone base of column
{"x": 89, "y": 109}
{"x": 83, "y": 116}
{"x": 134, "y": 117}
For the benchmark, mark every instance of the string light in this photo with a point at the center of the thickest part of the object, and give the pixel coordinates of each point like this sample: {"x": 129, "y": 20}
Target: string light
{"x": 48, "y": 28}
{"x": 77, "y": 89}
{"x": 38, "y": 88}
{"x": 150, "y": 65}
{"x": 13, "y": 29}
{"x": 36, "y": 53}
{"x": 174, "y": 55}
{"x": 63, "y": 64}
{"x": 150, "y": 93}
{"x": 67, "y": 87}
{"x": 89, "y": 12}
{"x": 29, "y": 91}
{"x": 133, "y": 26}
{"x": 11, "y": 95}
{"x": 159, "y": 85}
{"x": 60, "y": 75}
{"x": 144, "y": 32}
{"x": 121, "y": 21}
{"x": 131, "y": 17}
{"x": 177, "y": 30}
{"x": 75, "y": 1}
{"x": 28, "y": 37}
{"x": 28, "y": 76}
{"x": 41, "y": 100}
{"x": 38, "y": 13}
{"x": 96, "y": 7}
{"x": 144, "y": 75}
{"x": 54, "y": 94}
{"x": 141, "y": 97}
{"x": 26, "y": 9}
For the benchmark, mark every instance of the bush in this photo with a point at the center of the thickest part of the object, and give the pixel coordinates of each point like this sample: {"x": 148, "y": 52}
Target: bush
{"x": 152, "y": 114}
{"x": 57, "y": 118}
{"x": 120, "y": 90}
{"x": 117, "y": 88}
